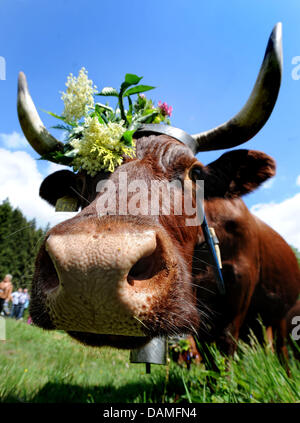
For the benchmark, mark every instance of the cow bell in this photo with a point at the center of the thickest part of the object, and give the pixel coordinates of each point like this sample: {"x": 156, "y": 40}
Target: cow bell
{"x": 155, "y": 352}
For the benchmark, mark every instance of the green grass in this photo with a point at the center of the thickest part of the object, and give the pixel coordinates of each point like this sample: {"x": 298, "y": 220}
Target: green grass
{"x": 40, "y": 366}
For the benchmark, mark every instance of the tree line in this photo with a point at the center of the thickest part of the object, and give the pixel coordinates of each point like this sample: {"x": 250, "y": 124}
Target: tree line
{"x": 297, "y": 253}
{"x": 20, "y": 240}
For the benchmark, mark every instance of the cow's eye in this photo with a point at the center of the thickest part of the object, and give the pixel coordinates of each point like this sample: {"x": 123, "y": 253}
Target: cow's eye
{"x": 196, "y": 173}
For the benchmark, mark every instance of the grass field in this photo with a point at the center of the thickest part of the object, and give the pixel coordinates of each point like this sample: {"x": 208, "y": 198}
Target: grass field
{"x": 39, "y": 366}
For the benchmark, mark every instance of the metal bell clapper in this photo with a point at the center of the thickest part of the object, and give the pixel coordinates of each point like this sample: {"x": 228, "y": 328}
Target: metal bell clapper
{"x": 155, "y": 352}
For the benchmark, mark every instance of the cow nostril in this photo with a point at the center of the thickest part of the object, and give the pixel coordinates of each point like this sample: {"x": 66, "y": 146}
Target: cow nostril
{"x": 47, "y": 274}
{"x": 142, "y": 268}
{"x": 146, "y": 267}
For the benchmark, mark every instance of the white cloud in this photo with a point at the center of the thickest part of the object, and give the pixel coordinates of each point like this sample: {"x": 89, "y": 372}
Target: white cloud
{"x": 298, "y": 181}
{"x": 283, "y": 217}
{"x": 13, "y": 141}
{"x": 53, "y": 167}
{"x": 20, "y": 181}
{"x": 268, "y": 184}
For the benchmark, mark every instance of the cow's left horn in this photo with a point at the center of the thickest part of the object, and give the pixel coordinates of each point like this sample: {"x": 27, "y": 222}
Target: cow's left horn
{"x": 258, "y": 108}
{"x": 34, "y": 130}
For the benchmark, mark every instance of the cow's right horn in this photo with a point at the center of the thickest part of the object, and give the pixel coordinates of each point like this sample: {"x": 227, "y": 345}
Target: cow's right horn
{"x": 33, "y": 128}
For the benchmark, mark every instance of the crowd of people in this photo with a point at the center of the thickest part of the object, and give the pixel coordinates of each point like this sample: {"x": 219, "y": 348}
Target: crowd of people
{"x": 12, "y": 303}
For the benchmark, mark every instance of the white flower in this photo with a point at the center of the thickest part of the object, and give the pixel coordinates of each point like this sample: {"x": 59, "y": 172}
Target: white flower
{"x": 78, "y": 98}
{"x": 99, "y": 147}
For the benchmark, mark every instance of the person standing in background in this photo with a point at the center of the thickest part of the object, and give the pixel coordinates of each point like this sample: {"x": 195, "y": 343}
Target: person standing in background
{"x": 23, "y": 302}
{"x": 5, "y": 290}
{"x": 6, "y": 308}
{"x": 15, "y": 310}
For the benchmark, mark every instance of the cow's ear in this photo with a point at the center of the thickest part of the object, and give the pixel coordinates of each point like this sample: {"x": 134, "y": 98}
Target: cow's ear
{"x": 237, "y": 173}
{"x": 60, "y": 184}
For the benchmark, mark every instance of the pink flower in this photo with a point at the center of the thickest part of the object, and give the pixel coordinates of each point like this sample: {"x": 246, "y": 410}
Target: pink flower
{"x": 165, "y": 109}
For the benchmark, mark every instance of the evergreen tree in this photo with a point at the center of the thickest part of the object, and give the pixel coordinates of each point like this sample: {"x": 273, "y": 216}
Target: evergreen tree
{"x": 5, "y": 231}
{"x": 20, "y": 241}
{"x": 297, "y": 253}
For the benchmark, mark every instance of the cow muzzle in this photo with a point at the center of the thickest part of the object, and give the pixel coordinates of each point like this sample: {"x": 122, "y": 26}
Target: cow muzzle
{"x": 108, "y": 280}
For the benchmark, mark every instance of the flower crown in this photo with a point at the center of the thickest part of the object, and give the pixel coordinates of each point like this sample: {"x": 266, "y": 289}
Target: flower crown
{"x": 98, "y": 136}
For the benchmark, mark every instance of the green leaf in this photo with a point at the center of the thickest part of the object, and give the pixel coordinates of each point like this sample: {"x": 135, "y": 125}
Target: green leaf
{"x": 138, "y": 89}
{"x": 132, "y": 79}
{"x": 59, "y": 117}
{"x": 99, "y": 114}
{"x": 136, "y": 122}
{"x": 104, "y": 106}
{"x": 54, "y": 115}
{"x": 129, "y": 113}
{"x": 127, "y": 137}
{"x": 63, "y": 127}
{"x": 57, "y": 157}
{"x": 144, "y": 118}
{"x": 108, "y": 91}
{"x": 134, "y": 126}
{"x": 71, "y": 153}
{"x": 104, "y": 118}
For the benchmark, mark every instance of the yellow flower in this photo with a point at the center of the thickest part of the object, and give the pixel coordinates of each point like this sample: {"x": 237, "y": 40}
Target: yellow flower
{"x": 99, "y": 147}
{"x": 79, "y": 96}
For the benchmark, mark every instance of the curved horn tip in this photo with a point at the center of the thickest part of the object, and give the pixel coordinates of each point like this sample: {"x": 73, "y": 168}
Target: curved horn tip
{"x": 275, "y": 41}
{"x": 277, "y": 31}
{"x": 22, "y": 81}
{"x": 33, "y": 128}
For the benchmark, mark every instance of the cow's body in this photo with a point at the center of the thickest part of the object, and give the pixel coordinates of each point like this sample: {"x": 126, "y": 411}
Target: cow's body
{"x": 261, "y": 275}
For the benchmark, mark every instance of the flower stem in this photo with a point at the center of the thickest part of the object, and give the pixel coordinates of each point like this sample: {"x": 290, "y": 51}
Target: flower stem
{"x": 121, "y": 105}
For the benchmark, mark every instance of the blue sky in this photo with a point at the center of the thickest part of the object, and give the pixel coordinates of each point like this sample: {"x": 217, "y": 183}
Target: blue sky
{"x": 203, "y": 57}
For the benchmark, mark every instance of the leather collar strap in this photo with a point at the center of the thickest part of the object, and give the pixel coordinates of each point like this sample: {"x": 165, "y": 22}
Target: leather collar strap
{"x": 173, "y": 132}
{"x": 210, "y": 243}
{"x": 189, "y": 141}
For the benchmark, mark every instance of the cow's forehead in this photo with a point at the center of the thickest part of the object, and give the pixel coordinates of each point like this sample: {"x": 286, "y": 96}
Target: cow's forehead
{"x": 158, "y": 157}
{"x": 163, "y": 149}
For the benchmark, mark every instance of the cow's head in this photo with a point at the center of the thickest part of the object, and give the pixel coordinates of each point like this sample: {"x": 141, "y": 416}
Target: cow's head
{"x": 120, "y": 278}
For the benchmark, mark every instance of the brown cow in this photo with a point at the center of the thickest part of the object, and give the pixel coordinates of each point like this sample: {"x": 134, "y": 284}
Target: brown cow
{"x": 121, "y": 279}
